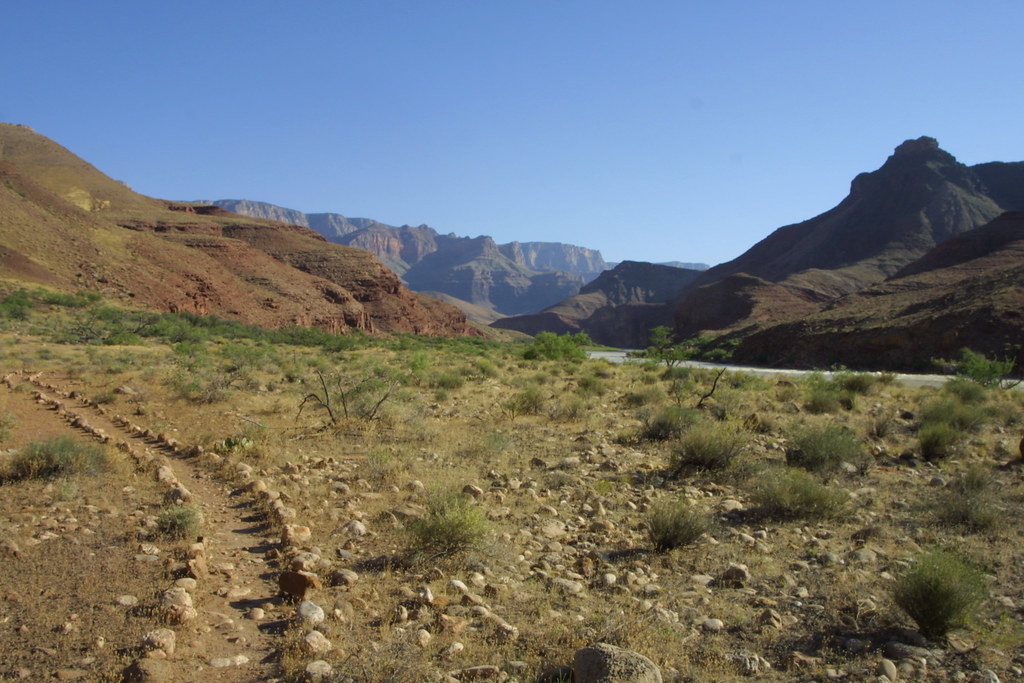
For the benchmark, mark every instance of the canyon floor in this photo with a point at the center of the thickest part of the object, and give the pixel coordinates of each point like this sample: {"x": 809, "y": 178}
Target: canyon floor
{"x": 341, "y": 466}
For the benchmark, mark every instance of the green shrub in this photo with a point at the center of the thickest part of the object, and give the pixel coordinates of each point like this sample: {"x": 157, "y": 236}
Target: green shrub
{"x": 529, "y": 401}
{"x": 954, "y": 412}
{"x": 645, "y": 396}
{"x": 179, "y": 522}
{"x": 789, "y": 493}
{"x": 452, "y": 524}
{"x": 382, "y": 465}
{"x": 677, "y": 373}
{"x": 882, "y": 426}
{"x": 16, "y": 305}
{"x": 570, "y": 409}
{"x": 550, "y": 346}
{"x": 486, "y": 367}
{"x": 939, "y": 592}
{"x": 60, "y": 456}
{"x": 667, "y": 423}
{"x": 965, "y": 390}
{"x": 7, "y": 423}
{"x": 590, "y": 385}
{"x": 823, "y": 448}
{"x": 855, "y": 382}
{"x": 985, "y": 371}
{"x": 674, "y": 524}
{"x": 968, "y": 501}
{"x": 826, "y": 398}
{"x": 936, "y": 440}
{"x": 706, "y": 446}
{"x": 449, "y": 381}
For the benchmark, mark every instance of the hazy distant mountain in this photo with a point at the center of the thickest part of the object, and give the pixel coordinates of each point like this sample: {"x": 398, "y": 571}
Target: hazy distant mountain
{"x": 65, "y": 224}
{"x": 506, "y": 279}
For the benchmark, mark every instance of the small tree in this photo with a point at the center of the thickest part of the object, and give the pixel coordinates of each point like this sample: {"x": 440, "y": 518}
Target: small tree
{"x": 988, "y": 372}
{"x": 664, "y": 350}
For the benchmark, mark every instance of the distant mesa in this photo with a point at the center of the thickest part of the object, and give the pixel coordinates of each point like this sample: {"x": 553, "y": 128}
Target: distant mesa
{"x": 487, "y": 279}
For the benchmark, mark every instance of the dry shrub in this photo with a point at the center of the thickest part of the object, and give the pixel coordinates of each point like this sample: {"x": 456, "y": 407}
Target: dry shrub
{"x": 788, "y": 493}
{"x": 824, "y": 448}
{"x": 60, "y": 456}
{"x": 940, "y": 592}
{"x": 706, "y": 446}
{"x": 675, "y": 524}
{"x": 968, "y": 501}
{"x": 179, "y": 522}
{"x": 452, "y": 525}
{"x": 667, "y": 423}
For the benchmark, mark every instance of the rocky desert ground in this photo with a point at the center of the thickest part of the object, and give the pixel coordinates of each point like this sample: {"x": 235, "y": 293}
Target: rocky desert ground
{"x": 193, "y": 503}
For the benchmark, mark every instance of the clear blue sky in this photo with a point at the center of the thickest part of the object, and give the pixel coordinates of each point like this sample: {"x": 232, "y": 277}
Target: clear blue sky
{"x": 660, "y": 130}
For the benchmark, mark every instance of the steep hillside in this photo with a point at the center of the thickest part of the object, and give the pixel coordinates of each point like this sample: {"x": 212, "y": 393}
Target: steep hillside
{"x": 497, "y": 280}
{"x": 919, "y": 198}
{"x": 618, "y": 308}
{"x": 968, "y": 291}
{"x": 64, "y": 223}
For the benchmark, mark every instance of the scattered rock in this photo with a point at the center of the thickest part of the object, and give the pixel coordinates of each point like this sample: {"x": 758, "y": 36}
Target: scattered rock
{"x": 735, "y": 576}
{"x": 354, "y": 528}
{"x": 342, "y": 577}
{"x": 176, "y": 605}
{"x": 295, "y": 534}
{"x": 315, "y": 642}
{"x": 604, "y": 663}
{"x": 224, "y": 662}
{"x": 750, "y": 663}
{"x": 309, "y": 614}
{"x": 887, "y": 668}
{"x": 712, "y": 625}
{"x": 318, "y": 671}
{"x": 161, "y": 639}
{"x": 149, "y": 671}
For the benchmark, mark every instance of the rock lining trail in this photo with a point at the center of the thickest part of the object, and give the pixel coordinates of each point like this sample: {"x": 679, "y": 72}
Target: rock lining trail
{"x": 217, "y": 639}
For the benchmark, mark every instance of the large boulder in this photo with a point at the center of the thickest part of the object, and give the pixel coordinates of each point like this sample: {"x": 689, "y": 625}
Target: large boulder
{"x": 604, "y": 663}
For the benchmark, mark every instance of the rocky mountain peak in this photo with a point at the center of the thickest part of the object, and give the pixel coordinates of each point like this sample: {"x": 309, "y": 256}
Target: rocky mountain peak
{"x": 921, "y": 144}
{"x": 914, "y": 164}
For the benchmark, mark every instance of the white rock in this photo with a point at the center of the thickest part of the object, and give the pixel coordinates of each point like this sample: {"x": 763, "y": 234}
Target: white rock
{"x": 712, "y": 625}
{"x": 354, "y": 528}
{"x": 315, "y": 642}
{"x": 294, "y": 534}
{"x": 160, "y": 639}
{"x": 309, "y": 614}
{"x": 222, "y": 662}
{"x": 604, "y": 663}
{"x": 318, "y": 671}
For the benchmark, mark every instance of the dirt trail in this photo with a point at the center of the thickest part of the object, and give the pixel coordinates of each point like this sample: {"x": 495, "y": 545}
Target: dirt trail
{"x": 223, "y": 643}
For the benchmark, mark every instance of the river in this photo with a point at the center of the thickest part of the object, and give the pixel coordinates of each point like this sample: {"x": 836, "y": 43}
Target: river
{"x": 619, "y": 356}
